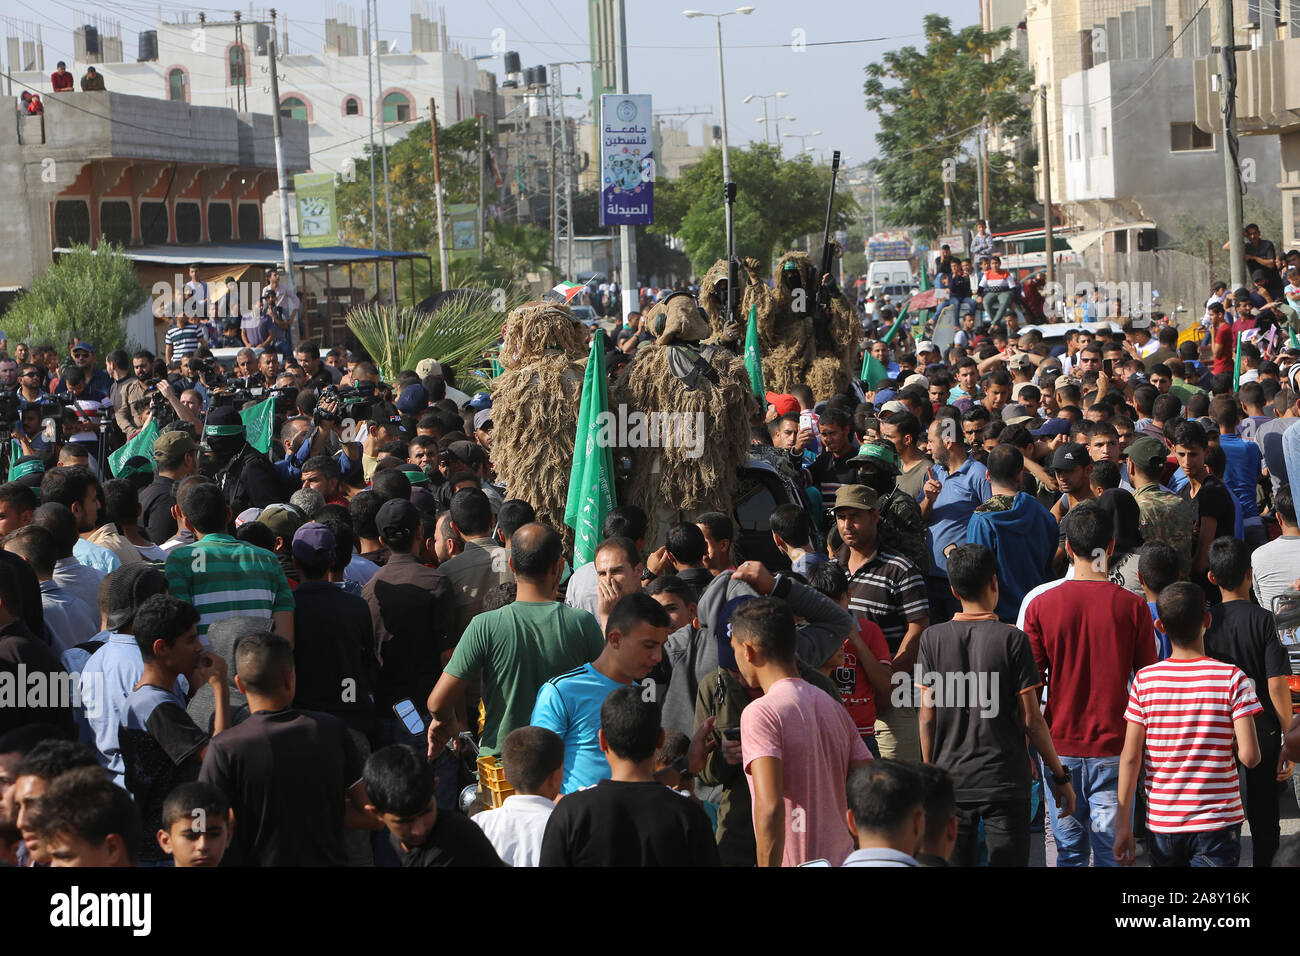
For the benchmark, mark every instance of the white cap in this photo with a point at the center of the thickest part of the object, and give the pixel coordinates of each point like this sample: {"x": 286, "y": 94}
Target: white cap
{"x": 916, "y": 378}
{"x": 426, "y": 367}
{"x": 925, "y": 346}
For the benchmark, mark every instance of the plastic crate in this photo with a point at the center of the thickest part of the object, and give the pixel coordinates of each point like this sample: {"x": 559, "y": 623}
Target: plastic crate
{"x": 492, "y": 781}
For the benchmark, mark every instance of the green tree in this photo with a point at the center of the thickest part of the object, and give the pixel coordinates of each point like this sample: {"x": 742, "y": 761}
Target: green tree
{"x": 410, "y": 186}
{"x": 85, "y": 295}
{"x": 778, "y": 201}
{"x": 930, "y": 103}
{"x": 1194, "y": 232}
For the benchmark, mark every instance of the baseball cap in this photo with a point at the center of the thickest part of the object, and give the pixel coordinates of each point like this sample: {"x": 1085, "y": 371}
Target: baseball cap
{"x": 467, "y": 453}
{"x": 916, "y": 378}
{"x": 173, "y": 443}
{"x": 313, "y": 543}
{"x": 481, "y": 418}
{"x": 83, "y": 347}
{"x": 855, "y": 496}
{"x": 128, "y": 587}
{"x": 414, "y": 399}
{"x": 1020, "y": 360}
{"x": 247, "y": 515}
{"x": 784, "y": 404}
{"x": 891, "y": 406}
{"x": 925, "y": 346}
{"x": 283, "y": 519}
{"x": 414, "y": 474}
{"x": 1015, "y": 414}
{"x": 480, "y": 401}
{"x": 1149, "y": 453}
{"x": 397, "y": 517}
{"x": 870, "y": 453}
{"x": 1051, "y": 428}
{"x": 1071, "y": 456}
{"x": 1259, "y": 275}
{"x": 426, "y": 367}
{"x": 1064, "y": 380}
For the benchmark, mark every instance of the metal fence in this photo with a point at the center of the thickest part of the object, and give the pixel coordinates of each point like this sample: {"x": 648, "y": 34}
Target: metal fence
{"x": 1168, "y": 279}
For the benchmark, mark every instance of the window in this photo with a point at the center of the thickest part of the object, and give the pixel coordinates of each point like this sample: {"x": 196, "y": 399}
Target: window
{"x": 250, "y": 221}
{"x": 352, "y": 106}
{"x": 220, "y": 226}
{"x": 1184, "y": 137}
{"x": 115, "y": 221}
{"x": 238, "y": 66}
{"x": 1078, "y": 150}
{"x": 176, "y": 83}
{"x": 71, "y": 222}
{"x": 1105, "y": 141}
{"x": 189, "y": 227}
{"x": 154, "y": 227}
{"x": 291, "y": 107}
{"x": 397, "y": 108}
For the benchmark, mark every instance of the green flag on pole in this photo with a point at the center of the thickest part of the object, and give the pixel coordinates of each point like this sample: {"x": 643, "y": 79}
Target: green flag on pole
{"x": 1236, "y": 364}
{"x": 141, "y": 444}
{"x": 259, "y": 420}
{"x": 893, "y": 329}
{"x": 1295, "y": 342}
{"x": 753, "y": 357}
{"x": 591, "y": 480}
{"x": 872, "y": 371}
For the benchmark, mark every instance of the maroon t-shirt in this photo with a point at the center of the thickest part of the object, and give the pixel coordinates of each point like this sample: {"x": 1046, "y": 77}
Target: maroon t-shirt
{"x": 1088, "y": 638}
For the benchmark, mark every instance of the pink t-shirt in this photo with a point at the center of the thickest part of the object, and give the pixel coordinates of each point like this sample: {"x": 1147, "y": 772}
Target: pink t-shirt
{"x": 813, "y": 736}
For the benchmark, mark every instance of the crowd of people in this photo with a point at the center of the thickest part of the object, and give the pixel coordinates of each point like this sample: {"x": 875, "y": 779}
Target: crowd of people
{"x": 1023, "y": 589}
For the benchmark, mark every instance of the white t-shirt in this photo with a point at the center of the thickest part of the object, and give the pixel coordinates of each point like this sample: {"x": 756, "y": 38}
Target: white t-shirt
{"x": 515, "y": 828}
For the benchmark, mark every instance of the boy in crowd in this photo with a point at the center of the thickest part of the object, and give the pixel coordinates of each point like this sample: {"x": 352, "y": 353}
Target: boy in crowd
{"x": 980, "y": 742}
{"x": 196, "y": 825}
{"x": 399, "y": 785}
{"x": 1191, "y": 708}
{"x": 85, "y": 820}
{"x": 533, "y": 759}
{"x": 940, "y": 836}
{"x": 1157, "y": 569}
{"x": 1244, "y": 634}
{"x": 886, "y": 813}
{"x": 629, "y": 819}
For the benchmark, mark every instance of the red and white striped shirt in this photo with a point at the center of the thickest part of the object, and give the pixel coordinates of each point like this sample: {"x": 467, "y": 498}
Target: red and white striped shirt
{"x": 1188, "y": 708}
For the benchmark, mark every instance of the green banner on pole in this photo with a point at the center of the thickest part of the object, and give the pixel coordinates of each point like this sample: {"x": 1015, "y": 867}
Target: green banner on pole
{"x": 754, "y": 358}
{"x": 259, "y": 420}
{"x": 141, "y": 444}
{"x": 318, "y": 223}
{"x": 893, "y": 329}
{"x": 591, "y": 480}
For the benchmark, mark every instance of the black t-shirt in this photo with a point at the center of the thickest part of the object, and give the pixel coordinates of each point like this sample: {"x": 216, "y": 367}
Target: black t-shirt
{"x": 617, "y": 823}
{"x": 1213, "y": 501}
{"x": 978, "y": 736}
{"x": 455, "y": 840}
{"x": 286, "y": 774}
{"x": 1244, "y": 634}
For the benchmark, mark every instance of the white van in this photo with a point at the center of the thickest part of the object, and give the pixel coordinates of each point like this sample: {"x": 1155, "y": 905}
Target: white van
{"x": 889, "y": 272}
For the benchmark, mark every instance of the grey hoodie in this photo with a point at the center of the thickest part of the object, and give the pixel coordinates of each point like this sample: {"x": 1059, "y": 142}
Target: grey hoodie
{"x": 693, "y": 652}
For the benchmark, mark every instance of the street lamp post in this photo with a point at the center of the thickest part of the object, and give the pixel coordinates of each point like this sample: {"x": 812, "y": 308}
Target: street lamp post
{"x": 729, "y": 187}
{"x": 779, "y": 94}
{"x": 803, "y": 138}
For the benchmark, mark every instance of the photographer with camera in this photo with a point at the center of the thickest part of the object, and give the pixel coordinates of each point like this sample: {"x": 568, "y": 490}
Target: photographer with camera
{"x": 323, "y": 436}
{"x": 97, "y": 381}
{"x": 159, "y": 401}
{"x": 246, "y": 477}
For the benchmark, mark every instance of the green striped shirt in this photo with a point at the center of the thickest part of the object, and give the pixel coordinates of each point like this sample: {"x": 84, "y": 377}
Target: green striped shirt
{"x": 225, "y": 578}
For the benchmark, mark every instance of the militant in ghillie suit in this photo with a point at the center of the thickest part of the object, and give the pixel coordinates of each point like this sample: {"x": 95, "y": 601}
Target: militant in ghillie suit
{"x": 703, "y": 395}
{"x": 535, "y": 405}
{"x": 751, "y": 291}
{"x": 804, "y": 341}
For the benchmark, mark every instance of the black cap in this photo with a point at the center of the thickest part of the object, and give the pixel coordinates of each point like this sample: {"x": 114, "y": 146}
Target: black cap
{"x": 1071, "y": 456}
{"x": 397, "y": 517}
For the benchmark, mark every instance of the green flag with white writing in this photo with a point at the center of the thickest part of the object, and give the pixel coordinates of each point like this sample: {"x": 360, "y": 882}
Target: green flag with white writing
{"x": 591, "y": 480}
{"x": 141, "y": 444}
{"x": 754, "y": 358}
{"x": 259, "y": 420}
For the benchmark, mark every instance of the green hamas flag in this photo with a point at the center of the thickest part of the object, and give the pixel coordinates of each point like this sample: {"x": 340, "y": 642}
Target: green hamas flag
{"x": 872, "y": 371}
{"x": 753, "y": 358}
{"x": 259, "y": 420}
{"x": 1236, "y": 364}
{"x": 898, "y": 323}
{"x": 591, "y": 481}
{"x": 141, "y": 444}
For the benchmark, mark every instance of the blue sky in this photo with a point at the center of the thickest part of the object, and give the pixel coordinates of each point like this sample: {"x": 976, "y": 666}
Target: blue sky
{"x": 671, "y": 57}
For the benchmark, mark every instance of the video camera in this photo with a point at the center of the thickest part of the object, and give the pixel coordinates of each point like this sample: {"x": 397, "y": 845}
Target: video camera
{"x": 10, "y": 408}
{"x": 351, "y": 401}
{"x": 238, "y": 392}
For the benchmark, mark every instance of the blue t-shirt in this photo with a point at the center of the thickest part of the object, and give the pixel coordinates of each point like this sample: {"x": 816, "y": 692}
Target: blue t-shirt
{"x": 570, "y": 705}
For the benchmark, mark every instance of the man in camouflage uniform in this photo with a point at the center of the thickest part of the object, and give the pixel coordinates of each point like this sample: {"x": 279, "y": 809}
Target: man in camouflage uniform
{"x": 901, "y": 527}
{"x": 1162, "y": 516}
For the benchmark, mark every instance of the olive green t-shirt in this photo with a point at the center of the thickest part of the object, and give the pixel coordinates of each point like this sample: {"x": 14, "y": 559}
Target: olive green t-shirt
{"x": 515, "y": 650}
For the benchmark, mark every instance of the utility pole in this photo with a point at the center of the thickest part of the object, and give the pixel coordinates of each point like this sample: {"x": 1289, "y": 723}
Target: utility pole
{"x": 627, "y": 234}
{"x": 984, "y": 169}
{"x": 482, "y": 162}
{"x": 444, "y": 270}
{"x": 1231, "y": 172}
{"x": 947, "y": 208}
{"x": 873, "y": 203}
{"x": 1046, "y": 161}
{"x": 370, "y": 111}
{"x": 286, "y": 238}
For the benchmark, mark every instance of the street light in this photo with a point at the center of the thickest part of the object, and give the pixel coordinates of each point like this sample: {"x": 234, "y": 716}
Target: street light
{"x": 779, "y": 94}
{"x": 729, "y": 187}
{"x": 803, "y": 138}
